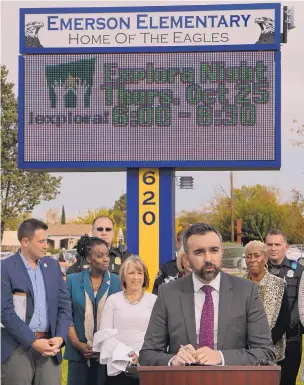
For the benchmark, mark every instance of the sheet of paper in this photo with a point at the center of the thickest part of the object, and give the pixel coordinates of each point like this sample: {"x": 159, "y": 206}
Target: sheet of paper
{"x": 20, "y": 305}
{"x": 121, "y": 352}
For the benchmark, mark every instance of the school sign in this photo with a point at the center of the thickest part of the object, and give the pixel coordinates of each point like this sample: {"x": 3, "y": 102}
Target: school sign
{"x": 182, "y": 87}
{"x": 150, "y": 90}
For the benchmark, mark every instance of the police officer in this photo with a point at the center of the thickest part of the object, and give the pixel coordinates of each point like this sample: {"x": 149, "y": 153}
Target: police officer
{"x": 103, "y": 227}
{"x": 169, "y": 270}
{"x": 291, "y": 272}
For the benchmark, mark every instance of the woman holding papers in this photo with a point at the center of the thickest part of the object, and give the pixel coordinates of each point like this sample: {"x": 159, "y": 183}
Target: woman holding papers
{"x": 272, "y": 293}
{"x": 124, "y": 322}
{"x": 89, "y": 290}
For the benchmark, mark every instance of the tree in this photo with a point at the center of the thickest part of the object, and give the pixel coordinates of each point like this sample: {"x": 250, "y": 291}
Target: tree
{"x": 21, "y": 191}
{"x": 88, "y": 218}
{"x": 299, "y": 130}
{"x": 293, "y": 224}
{"x": 63, "y": 220}
{"x": 52, "y": 217}
{"x": 117, "y": 213}
{"x": 260, "y": 209}
{"x": 12, "y": 224}
{"x": 121, "y": 204}
{"x": 187, "y": 218}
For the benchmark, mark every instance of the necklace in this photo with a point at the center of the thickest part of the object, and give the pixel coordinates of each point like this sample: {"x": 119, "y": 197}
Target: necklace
{"x": 95, "y": 287}
{"x": 133, "y": 302}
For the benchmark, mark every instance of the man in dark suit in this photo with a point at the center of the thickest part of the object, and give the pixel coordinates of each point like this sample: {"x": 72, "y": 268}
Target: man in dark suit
{"x": 208, "y": 317}
{"x": 35, "y": 311}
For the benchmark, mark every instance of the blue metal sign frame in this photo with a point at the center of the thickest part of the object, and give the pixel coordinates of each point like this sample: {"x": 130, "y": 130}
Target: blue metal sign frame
{"x": 121, "y": 10}
{"x": 179, "y": 165}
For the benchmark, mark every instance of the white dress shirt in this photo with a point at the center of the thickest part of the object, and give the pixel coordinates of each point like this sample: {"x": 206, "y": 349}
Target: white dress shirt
{"x": 199, "y": 300}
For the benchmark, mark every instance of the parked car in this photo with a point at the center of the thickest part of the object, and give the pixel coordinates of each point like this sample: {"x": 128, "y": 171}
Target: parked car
{"x": 233, "y": 256}
{"x": 69, "y": 255}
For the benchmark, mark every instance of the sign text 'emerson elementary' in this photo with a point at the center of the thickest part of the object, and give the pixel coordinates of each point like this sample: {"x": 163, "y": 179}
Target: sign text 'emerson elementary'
{"x": 144, "y": 21}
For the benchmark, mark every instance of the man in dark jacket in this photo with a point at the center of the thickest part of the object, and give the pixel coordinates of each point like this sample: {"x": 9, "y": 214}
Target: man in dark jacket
{"x": 103, "y": 227}
{"x": 168, "y": 271}
{"x": 291, "y": 272}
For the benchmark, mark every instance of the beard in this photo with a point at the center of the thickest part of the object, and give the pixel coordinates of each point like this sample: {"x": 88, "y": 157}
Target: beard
{"x": 207, "y": 275}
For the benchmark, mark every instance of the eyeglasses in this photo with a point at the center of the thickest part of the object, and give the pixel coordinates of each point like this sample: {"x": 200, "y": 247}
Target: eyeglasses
{"x": 107, "y": 229}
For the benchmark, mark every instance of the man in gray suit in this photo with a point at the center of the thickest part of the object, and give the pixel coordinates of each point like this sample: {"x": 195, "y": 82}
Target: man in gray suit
{"x": 208, "y": 317}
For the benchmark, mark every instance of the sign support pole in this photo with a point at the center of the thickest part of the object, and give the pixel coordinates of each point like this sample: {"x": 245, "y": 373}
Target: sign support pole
{"x": 151, "y": 216}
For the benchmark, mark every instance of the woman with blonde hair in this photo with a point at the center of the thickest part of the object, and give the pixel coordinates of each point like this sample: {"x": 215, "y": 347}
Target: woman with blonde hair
{"x": 124, "y": 322}
{"x": 183, "y": 263}
{"x": 272, "y": 293}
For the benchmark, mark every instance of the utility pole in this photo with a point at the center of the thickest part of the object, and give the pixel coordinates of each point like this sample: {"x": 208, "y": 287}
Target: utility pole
{"x": 232, "y": 208}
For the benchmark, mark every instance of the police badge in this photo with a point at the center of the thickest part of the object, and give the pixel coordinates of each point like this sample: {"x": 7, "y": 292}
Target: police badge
{"x": 117, "y": 261}
{"x": 290, "y": 274}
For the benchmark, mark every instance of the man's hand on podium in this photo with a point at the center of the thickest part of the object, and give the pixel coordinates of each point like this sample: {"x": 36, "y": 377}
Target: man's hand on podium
{"x": 207, "y": 356}
{"x": 184, "y": 356}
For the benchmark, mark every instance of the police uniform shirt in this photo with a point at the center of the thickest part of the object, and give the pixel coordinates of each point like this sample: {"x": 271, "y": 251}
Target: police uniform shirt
{"x": 167, "y": 272}
{"x": 116, "y": 259}
{"x": 291, "y": 272}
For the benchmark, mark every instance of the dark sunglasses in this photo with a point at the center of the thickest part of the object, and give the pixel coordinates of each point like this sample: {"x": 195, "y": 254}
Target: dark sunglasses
{"x": 107, "y": 229}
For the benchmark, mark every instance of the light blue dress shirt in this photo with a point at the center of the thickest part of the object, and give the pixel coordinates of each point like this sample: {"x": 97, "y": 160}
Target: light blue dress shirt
{"x": 40, "y": 318}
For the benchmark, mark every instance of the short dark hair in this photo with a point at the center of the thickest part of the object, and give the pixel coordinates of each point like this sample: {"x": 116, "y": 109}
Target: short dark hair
{"x": 86, "y": 243}
{"x": 102, "y": 216}
{"x": 276, "y": 232}
{"x": 201, "y": 229}
{"x": 28, "y": 227}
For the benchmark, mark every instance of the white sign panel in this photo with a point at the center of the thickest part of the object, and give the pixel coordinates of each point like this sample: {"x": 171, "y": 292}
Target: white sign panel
{"x": 178, "y": 28}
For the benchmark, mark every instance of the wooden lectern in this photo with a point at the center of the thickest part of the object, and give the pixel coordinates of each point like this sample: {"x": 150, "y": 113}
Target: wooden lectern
{"x": 209, "y": 375}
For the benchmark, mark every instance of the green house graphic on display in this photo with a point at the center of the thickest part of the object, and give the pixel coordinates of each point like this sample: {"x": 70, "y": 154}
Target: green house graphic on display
{"x": 71, "y": 82}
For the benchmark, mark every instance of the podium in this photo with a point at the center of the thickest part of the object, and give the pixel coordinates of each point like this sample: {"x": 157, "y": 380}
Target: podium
{"x": 209, "y": 375}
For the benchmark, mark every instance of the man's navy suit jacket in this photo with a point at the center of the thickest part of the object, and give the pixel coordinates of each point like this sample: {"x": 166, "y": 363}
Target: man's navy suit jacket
{"x": 15, "y": 278}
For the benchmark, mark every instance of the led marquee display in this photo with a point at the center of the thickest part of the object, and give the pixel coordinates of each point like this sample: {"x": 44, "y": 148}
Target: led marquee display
{"x": 149, "y": 107}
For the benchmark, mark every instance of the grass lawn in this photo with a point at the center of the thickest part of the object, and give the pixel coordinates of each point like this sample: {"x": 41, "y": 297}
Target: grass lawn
{"x": 64, "y": 371}
{"x": 298, "y": 379}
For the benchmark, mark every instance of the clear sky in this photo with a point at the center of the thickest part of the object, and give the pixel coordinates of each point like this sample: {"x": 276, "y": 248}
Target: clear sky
{"x": 80, "y": 191}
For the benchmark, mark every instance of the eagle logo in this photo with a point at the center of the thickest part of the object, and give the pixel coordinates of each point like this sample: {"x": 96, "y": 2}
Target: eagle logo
{"x": 31, "y": 34}
{"x": 267, "y": 30}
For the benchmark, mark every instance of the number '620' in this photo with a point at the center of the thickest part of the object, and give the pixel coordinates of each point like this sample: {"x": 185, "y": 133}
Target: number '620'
{"x": 149, "y": 216}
